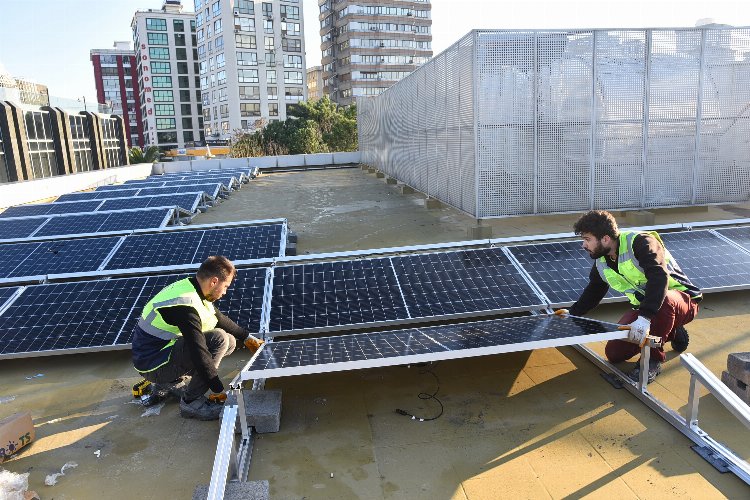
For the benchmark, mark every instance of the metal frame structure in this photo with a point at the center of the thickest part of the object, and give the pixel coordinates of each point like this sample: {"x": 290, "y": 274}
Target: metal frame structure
{"x": 507, "y": 123}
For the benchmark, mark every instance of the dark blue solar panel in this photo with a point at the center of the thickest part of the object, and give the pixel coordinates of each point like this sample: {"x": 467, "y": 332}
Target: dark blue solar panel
{"x": 98, "y": 195}
{"x": 6, "y": 293}
{"x": 709, "y": 261}
{"x": 335, "y": 293}
{"x": 13, "y": 254}
{"x": 740, "y": 235}
{"x": 447, "y": 283}
{"x": 104, "y": 222}
{"x": 243, "y": 301}
{"x": 561, "y": 270}
{"x": 64, "y": 256}
{"x": 19, "y": 228}
{"x": 185, "y": 201}
{"x": 210, "y": 189}
{"x": 186, "y": 247}
{"x": 441, "y": 342}
{"x": 51, "y": 208}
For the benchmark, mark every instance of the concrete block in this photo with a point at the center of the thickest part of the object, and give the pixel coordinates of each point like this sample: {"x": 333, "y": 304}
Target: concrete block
{"x": 290, "y": 161}
{"x": 372, "y": 170}
{"x": 380, "y": 175}
{"x": 432, "y": 203}
{"x": 640, "y": 218}
{"x": 364, "y": 166}
{"x": 738, "y": 366}
{"x": 737, "y": 386}
{"x": 263, "y": 161}
{"x": 199, "y": 165}
{"x": 406, "y": 189}
{"x": 391, "y": 180}
{"x": 291, "y": 249}
{"x": 232, "y": 163}
{"x": 263, "y": 410}
{"x": 342, "y": 158}
{"x": 318, "y": 159}
{"x": 249, "y": 490}
{"x": 479, "y": 232}
{"x": 291, "y": 237}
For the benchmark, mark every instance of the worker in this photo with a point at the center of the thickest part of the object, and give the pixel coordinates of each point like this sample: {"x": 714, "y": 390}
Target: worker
{"x": 637, "y": 264}
{"x": 181, "y": 334}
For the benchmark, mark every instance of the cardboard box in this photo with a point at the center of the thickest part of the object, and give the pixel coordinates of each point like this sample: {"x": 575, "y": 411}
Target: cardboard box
{"x": 16, "y": 432}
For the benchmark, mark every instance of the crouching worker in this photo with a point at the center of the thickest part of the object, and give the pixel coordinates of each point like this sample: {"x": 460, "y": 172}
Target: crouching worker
{"x": 181, "y": 334}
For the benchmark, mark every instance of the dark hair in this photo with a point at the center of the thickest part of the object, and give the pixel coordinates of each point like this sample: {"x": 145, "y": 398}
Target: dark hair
{"x": 600, "y": 223}
{"x": 218, "y": 266}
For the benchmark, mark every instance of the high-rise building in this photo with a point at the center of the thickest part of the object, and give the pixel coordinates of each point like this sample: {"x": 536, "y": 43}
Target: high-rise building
{"x": 167, "y": 58}
{"x": 368, "y": 45}
{"x": 251, "y": 62}
{"x": 314, "y": 83}
{"x": 23, "y": 91}
{"x": 115, "y": 72}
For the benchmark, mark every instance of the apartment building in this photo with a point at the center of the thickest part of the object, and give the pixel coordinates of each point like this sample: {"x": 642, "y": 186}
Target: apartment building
{"x": 167, "y": 69}
{"x": 116, "y": 78}
{"x": 251, "y": 63}
{"x": 367, "y": 46}
{"x": 314, "y": 83}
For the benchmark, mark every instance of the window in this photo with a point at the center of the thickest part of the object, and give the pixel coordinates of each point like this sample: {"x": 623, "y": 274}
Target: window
{"x": 249, "y": 109}
{"x": 268, "y": 25}
{"x": 270, "y": 76}
{"x": 182, "y": 68}
{"x": 248, "y": 93}
{"x": 244, "y": 41}
{"x": 178, "y": 24}
{"x": 201, "y": 51}
{"x": 204, "y": 98}
{"x": 192, "y": 25}
{"x": 220, "y": 60}
{"x": 273, "y": 93}
{"x": 225, "y": 127}
{"x": 187, "y": 123}
{"x": 185, "y": 96}
{"x": 165, "y": 123}
{"x": 224, "y": 110}
{"x": 188, "y": 135}
{"x": 164, "y": 109}
{"x": 291, "y": 44}
{"x": 161, "y": 81}
{"x": 179, "y": 39}
{"x": 183, "y": 81}
{"x": 158, "y": 53}
{"x": 182, "y": 54}
{"x": 161, "y": 68}
{"x": 247, "y": 59}
{"x": 163, "y": 96}
{"x": 217, "y": 26}
{"x": 245, "y": 24}
{"x": 203, "y": 68}
{"x": 289, "y": 12}
{"x": 292, "y": 61}
{"x": 273, "y": 109}
{"x": 267, "y": 9}
{"x": 200, "y": 36}
{"x": 246, "y": 7}
{"x": 223, "y": 94}
{"x": 215, "y": 9}
{"x": 156, "y": 24}
{"x": 247, "y": 75}
{"x": 293, "y": 93}
{"x": 269, "y": 43}
{"x": 219, "y": 43}
{"x": 221, "y": 77}
{"x": 270, "y": 59}
{"x": 292, "y": 29}
{"x": 185, "y": 109}
{"x": 158, "y": 39}
{"x": 293, "y": 77}
{"x": 165, "y": 137}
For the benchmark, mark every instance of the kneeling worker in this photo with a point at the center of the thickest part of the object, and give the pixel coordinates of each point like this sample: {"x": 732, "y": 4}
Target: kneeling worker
{"x": 180, "y": 333}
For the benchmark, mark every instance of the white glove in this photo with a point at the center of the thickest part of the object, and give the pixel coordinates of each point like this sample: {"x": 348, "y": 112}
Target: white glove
{"x": 638, "y": 330}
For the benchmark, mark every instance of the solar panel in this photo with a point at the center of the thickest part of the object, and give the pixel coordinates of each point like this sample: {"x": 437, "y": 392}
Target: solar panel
{"x": 448, "y": 283}
{"x": 51, "y": 208}
{"x": 98, "y": 195}
{"x": 709, "y": 261}
{"x": 53, "y": 257}
{"x": 211, "y": 190}
{"x": 368, "y": 350}
{"x": 6, "y": 293}
{"x": 19, "y": 228}
{"x": 186, "y": 247}
{"x": 97, "y": 315}
{"x": 334, "y": 293}
{"x": 560, "y": 270}
{"x": 740, "y": 235}
{"x": 188, "y": 202}
{"x": 98, "y": 222}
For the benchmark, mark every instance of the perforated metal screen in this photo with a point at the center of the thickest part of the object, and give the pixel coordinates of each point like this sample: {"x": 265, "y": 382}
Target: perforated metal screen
{"x": 524, "y": 122}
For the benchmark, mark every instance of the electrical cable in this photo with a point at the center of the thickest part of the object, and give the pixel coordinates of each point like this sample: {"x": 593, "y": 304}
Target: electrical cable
{"x": 426, "y": 396}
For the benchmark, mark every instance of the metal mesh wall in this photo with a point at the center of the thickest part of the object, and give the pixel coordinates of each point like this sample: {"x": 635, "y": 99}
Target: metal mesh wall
{"x": 421, "y": 130}
{"x": 570, "y": 120}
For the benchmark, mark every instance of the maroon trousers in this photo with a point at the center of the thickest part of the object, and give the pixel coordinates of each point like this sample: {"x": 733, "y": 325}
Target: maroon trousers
{"x": 677, "y": 310}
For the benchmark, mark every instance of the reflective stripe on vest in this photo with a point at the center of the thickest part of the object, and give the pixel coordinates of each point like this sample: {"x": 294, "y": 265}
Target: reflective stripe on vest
{"x": 629, "y": 278}
{"x": 180, "y": 293}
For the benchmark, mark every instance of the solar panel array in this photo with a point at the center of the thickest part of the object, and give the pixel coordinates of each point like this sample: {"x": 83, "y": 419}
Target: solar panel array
{"x": 54, "y": 257}
{"x": 212, "y": 190}
{"x": 85, "y": 223}
{"x": 227, "y": 181}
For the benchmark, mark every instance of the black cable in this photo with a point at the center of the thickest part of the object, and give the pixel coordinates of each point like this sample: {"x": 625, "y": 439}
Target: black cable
{"x": 425, "y": 396}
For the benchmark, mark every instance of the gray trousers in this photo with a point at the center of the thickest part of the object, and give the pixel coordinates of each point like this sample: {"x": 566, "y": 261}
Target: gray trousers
{"x": 219, "y": 343}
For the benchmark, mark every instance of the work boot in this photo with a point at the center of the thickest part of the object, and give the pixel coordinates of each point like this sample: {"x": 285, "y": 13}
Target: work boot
{"x": 654, "y": 369}
{"x": 201, "y": 409}
{"x": 680, "y": 340}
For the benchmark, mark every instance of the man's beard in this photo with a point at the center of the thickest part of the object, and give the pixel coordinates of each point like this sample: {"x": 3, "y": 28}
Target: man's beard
{"x": 599, "y": 252}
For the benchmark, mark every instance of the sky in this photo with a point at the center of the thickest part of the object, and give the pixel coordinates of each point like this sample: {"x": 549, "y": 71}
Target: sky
{"x": 48, "y": 41}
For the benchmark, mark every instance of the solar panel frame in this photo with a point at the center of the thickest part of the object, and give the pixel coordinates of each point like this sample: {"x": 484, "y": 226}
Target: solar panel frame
{"x": 15, "y": 228}
{"x": 41, "y": 209}
{"x": 420, "y": 345}
{"x": 187, "y": 201}
{"x": 102, "y": 222}
{"x": 213, "y": 191}
{"x": 228, "y": 181}
{"x": 56, "y": 256}
{"x": 97, "y": 195}
{"x": 740, "y": 236}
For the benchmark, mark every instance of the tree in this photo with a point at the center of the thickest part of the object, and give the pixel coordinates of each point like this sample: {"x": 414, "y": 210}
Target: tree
{"x": 150, "y": 155}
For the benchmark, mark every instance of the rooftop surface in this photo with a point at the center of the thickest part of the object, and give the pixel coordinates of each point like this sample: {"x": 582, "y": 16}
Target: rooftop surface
{"x": 539, "y": 424}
